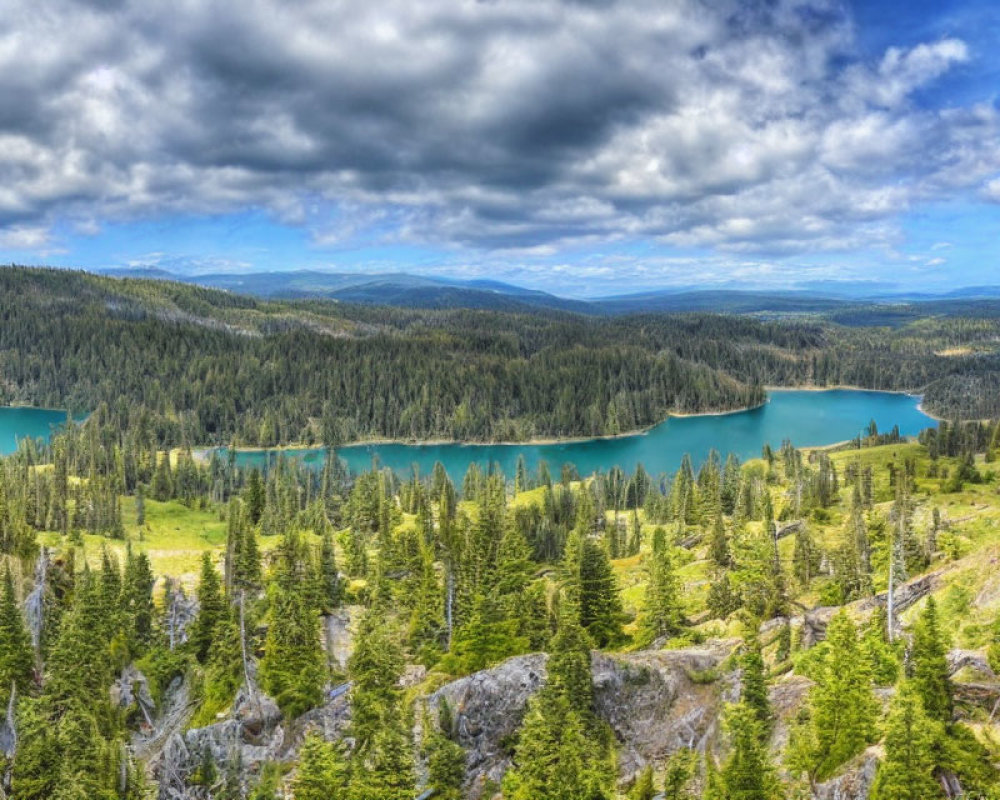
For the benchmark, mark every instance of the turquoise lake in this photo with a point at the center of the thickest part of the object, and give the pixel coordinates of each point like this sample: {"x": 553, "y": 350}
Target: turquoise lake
{"x": 27, "y": 423}
{"x": 807, "y": 418}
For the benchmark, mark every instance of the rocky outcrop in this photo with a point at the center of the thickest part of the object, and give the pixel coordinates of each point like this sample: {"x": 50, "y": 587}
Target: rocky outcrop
{"x": 656, "y": 703}
{"x": 812, "y": 624}
{"x": 973, "y": 660}
{"x": 787, "y": 696}
{"x": 338, "y": 635}
{"x": 250, "y": 736}
{"x": 854, "y": 783}
{"x": 660, "y": 701}
{"x": 131, "y": 690}
{"x": 488, "y": 708}
{"x": 181, "y": 612}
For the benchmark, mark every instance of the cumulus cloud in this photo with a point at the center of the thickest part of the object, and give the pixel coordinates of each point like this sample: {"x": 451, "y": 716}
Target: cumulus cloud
{"x": 515, "y": 126}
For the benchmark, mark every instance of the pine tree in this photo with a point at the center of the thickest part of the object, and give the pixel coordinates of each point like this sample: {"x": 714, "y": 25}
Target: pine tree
{"x": 293, "y": 670}
{"x": 881, "y": 657}
{"x": 929, "y": 665}
{"x": 254, "y": 495}
{"x": 427, "y": 618}
{"x": 568, "y": 667}
{"x": 718, "y": 545}
{"x": 714, "y": 788}
{"x": 249, "y": 563}
{"x": 907, "y": 772}
{"x": 805, "y": 557}
{"x": 643, "y": 788}
{"x": 210, "y": 609}
{"x": 16, "y": 655}
{"x": 140, "y": 505}
{"x": 382, "y": 764}
{"x": 79, "y": 665}
{"x": 163, "y": 482}
{"x": 375, "y": 667}
{"x": 331, "y": 587}
{"x": 747, "y": 773}
{"x": 600, "y": 603}
{"x": 680, "y": 770}
{"x": 137, "y": 601}
{"x": 664, "y": 614}
{"x": 484, "y": 639}
{"x": 754, "y": 683}
{"x": 554, "y": 759}
{"x": 842, "y": 706}
{"x": 321, "y": 774}
{"x": 445, "y": 757}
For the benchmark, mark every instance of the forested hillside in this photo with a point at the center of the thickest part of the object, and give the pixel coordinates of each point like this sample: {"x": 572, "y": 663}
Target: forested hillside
{"x": 803, "y": 625}
{"x": 178, "y": 364}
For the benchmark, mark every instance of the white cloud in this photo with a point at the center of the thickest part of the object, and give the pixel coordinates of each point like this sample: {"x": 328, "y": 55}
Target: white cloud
{"x": 521, "y": 127}
{"x": 24, "y": 237}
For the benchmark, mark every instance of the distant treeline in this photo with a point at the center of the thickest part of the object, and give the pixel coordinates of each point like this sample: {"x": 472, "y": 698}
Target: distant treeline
{"x": 184, "y": 364}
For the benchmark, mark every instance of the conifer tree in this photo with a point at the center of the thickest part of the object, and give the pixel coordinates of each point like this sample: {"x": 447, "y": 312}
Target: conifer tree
{"x": 554, "y": 759}
{"x": 600, "y": 603}
{"x": 375, "y": 666}
{"x": 163, "y": 482}
{"x": 427, "y": 617}
{"x": 210, "y": 609}
{"x": 254, "y": 495}
{"x": 714, "y": 788}
{"x": 79, "y": 665}
{"x": 929, "y": 665}
{"x": 445, "y": 757}
{"x": 747, "y": 773}
{"x": 680, "y": 770}
{"x": 753, "y": 690}
{"x": 137, "y": 601}
{"x": 16, "y": 656}
{"x": 664, "y": 613}
{"x": 382, "y": 764}
{"x": 718, "y": 545}
{"x": 293, "y": 670}
{"x": 331, "y": 588}
{"x": 643, "y": 788}
{"x": 321, "y": 774}
{"x": 842, "y": 706}
{"x": 907, "y": 772}
{"x": 568, "y": 666}
{"x": 882, "y": 659}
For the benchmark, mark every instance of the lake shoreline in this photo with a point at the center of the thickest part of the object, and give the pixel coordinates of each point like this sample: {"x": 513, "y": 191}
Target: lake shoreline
{"x": 533, "y": 441}
{"x": 557, "y": 440}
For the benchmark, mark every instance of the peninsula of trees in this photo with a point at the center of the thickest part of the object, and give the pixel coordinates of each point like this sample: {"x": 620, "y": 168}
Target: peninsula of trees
{"x": 183, "y": 365}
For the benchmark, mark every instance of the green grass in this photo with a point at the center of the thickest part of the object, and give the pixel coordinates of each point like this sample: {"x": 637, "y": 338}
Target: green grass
{"x": 173, "y": 537}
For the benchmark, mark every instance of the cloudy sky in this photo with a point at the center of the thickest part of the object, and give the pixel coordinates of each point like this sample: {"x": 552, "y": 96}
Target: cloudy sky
{"x": 583, "y": 146}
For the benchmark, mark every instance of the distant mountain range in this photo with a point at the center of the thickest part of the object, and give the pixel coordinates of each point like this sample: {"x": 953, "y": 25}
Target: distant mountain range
{"x": 416, "y": 291}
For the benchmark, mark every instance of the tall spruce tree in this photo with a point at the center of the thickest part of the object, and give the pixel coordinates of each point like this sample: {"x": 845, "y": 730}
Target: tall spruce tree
{"x": 842, "y": 705}
{"x": 16, "y": 655}
{"x": 907, "y": 772}
{"x": 664, "y": 612}
{"x": 929, "y": 664}
{"x": 747, "y": 773}
{"x": 210, "y": 609}
{"x": 321, "y": 774}
{"x": 293, "y": 670}
{"x": 600, "y": 602}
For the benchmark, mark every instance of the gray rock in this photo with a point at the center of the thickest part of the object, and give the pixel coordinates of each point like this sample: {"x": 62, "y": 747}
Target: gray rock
{"x": 854, "y": 783}
{"x": 489, "y": 707}
{"x": 658, "y": 702}
{"x": 132, "y": 689}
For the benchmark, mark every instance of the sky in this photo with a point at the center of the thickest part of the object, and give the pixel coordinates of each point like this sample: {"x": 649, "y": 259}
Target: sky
{"x": 584, "y": 147}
